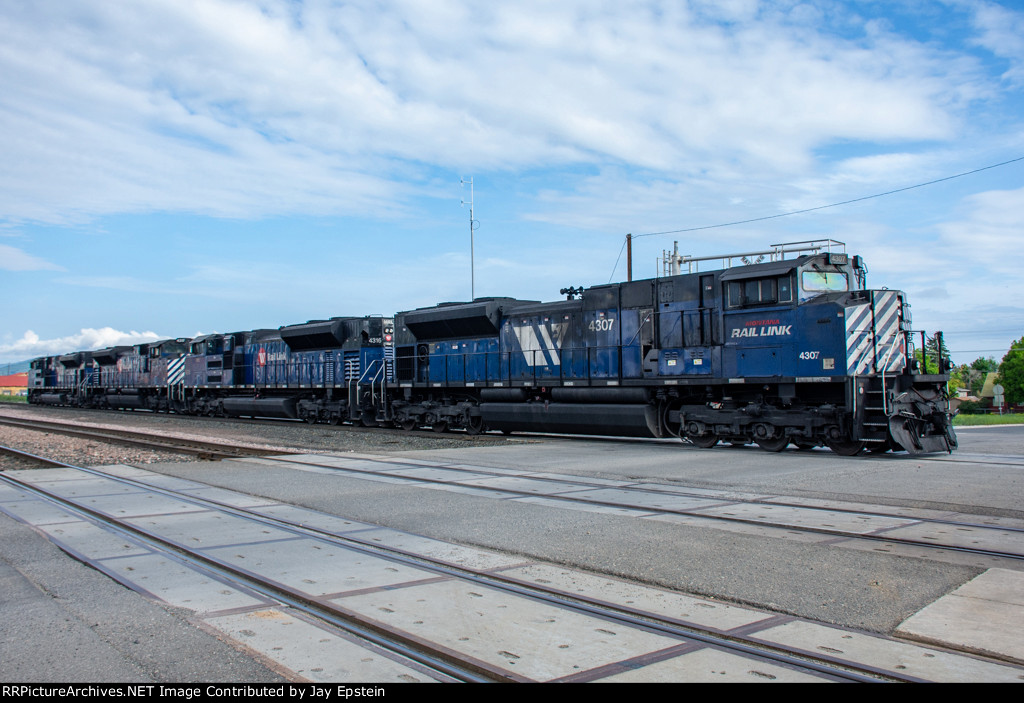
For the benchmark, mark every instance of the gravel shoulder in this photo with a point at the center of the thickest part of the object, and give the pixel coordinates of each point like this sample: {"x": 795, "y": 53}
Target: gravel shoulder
{"x": 293, "y": 436}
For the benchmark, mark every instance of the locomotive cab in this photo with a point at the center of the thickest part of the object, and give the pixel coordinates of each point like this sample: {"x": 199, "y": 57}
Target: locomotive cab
{"x": 829, "y": 357}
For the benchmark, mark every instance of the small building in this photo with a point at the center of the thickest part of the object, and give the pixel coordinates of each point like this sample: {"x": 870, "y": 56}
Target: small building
{"x": 963, "y": 396}
{"x": 15, "y": 384}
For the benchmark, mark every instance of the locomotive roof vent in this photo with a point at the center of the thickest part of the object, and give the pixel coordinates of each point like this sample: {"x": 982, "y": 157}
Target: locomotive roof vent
{"x": 317, "y": 334}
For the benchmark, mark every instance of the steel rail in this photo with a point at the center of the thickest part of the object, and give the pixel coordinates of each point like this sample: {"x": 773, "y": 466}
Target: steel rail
{"x": 415, "y": 649}
{"x": 643, "y": 488}
{"x": 695, "y": 513}
{"x": 26, "y": 455}
{"x": 201, "y": 448}
{"x": 750, "y": 646}
{"x": 220, "y": 450}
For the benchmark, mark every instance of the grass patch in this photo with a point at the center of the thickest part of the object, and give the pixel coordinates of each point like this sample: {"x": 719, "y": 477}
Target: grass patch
{"x": 974, "y": 420}
{"x": 13, "y": 399}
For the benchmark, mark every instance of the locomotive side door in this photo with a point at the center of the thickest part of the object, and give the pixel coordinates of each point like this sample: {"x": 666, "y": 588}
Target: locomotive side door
{"x": 709, "y": 325}
{"x": 602, "y": 330}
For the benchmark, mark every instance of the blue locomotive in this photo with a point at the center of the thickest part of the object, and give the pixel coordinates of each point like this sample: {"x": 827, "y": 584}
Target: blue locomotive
{"x": 785, "y": 351}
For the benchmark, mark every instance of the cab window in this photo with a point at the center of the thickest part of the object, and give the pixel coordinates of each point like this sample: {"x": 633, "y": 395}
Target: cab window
{"x": 824, "y": 281}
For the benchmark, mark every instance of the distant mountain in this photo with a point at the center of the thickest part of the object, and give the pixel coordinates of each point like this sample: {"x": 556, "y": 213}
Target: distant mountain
{"x": 6, "y": 369}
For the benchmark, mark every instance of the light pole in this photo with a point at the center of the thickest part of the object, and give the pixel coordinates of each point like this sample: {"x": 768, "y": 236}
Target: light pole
{"x": 473, "y": 224}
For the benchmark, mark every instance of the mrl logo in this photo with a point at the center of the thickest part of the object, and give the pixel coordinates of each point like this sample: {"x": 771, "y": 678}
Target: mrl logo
{"x": 763, "y": 331}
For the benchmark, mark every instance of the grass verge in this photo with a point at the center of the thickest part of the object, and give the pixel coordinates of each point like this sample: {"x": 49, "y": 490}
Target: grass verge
{"x": 974, "y": 420}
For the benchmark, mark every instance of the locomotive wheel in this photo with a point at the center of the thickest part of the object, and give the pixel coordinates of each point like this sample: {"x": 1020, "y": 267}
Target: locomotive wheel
{"x": 334, "y": 420}
{"x": 407, "y": 425}
{"x": 775, "y": 444}
{"x": 844, "y": 447}
{"x": 367, "y": 420}
{"x": 440, "y": 426}
{"x": 475, "y": 425}
{"x": 311, "y": 418}
{"x": 703, "y": 441}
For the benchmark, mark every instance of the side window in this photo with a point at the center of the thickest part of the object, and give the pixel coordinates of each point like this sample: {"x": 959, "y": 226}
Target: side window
{"x": 752, "y": 292}
{"x": 785, "y": 289}
{"x": 759, "y": 291}
{"x": 734, "y": 294}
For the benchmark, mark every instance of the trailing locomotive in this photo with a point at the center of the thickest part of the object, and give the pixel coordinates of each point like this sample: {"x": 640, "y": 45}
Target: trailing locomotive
{"x": 789, "y": 351}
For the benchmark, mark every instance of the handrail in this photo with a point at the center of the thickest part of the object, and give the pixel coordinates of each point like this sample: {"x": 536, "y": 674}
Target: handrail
{"x": 885, "y": 365}
{"x": 377, "y": 367}
{"x": 776, "y": 253}
{"x": 380, "y": 375}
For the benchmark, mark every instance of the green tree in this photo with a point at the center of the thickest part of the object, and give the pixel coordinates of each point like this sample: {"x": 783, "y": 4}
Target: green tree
{"x": 935, "y": 348}
{"x": 964, "y": 376}
{"x": 969, "y": 407}
{"x": 1011, "y": 373}
{"x": 972, "y": 376}
{"x": 985, "y": 365}
{"x": 928, "y": 362}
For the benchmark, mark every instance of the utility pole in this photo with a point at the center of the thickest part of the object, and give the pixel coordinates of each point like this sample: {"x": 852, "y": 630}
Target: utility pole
{"x": 473, "y": 224}
{"x": 629, "y": 257}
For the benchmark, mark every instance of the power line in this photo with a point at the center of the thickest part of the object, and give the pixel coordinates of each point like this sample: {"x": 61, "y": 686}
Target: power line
{"x": 823, "y": 207}
{"x": 616, "y": 259}
{"x": 1001, "y": 330}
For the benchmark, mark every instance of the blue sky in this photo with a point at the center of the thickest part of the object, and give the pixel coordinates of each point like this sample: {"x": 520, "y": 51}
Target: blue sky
{"x": 177, "y": 167}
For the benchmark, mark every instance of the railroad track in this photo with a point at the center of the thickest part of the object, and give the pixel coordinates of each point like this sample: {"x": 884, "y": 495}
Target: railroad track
{"x": 997, "y": 538}
{"x": 536, "y": 604}
{"x": 888, "y": 529}
{"x": 460, "y": 435}
{"x": 200, "y": 448}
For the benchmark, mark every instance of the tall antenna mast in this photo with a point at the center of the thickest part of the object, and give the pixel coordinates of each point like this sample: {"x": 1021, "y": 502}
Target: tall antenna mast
{"x": 473, "y": 224}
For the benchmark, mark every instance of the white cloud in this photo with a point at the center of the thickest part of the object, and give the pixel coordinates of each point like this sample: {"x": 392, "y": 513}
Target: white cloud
{"x": 244, "y": 109}
{"x": 1001, "y": 31}
{"x": 988, "y": 240}
{"x": 31, "y": 346}
{"x": 597, "y": 118}
{"x": 13, "y": 259}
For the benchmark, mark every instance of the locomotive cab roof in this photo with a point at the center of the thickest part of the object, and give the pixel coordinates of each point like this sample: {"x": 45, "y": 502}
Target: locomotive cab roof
{"x": 771, "y": 268}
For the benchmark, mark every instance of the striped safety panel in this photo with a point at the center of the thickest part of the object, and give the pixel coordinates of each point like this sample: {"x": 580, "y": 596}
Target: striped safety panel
{"x": 543, "y": 338}
{"x": 176, "y": 371}
{"x": 874, "y": 341}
